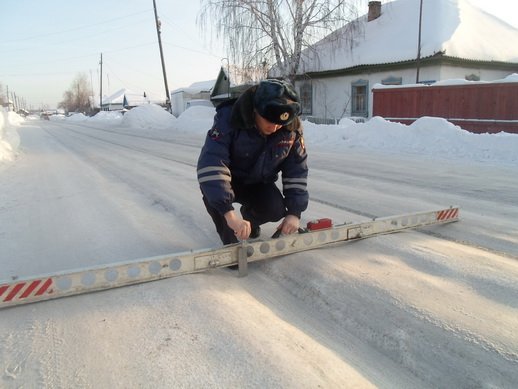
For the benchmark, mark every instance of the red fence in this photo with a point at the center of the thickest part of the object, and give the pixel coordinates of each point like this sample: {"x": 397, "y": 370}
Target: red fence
{"x": 479, "y": 108}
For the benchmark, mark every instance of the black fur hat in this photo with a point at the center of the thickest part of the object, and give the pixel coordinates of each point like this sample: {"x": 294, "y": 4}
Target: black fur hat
{"x": 276, "y": 101}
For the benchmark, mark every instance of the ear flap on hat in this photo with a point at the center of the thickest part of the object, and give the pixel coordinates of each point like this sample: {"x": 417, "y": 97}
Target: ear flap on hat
{"x": 290, "y": 92}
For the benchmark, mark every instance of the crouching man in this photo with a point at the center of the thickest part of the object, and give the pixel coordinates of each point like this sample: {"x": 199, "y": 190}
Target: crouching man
{"x": 252, "y": 140}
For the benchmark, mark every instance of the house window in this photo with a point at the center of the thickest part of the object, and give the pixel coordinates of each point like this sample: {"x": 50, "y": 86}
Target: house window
{"x": 306, "y": 98}
{"x": 360, "y": 98}
{"x": 392, "y": 80}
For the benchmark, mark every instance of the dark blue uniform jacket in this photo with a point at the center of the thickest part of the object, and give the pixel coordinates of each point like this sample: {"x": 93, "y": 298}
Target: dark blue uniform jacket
{"x": 235, "y": 152}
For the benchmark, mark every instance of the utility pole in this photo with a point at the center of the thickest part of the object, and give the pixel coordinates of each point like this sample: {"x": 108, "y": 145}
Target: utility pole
{"x": 101, "y": 87}
{"x": 418, "y": 61}
{"x": 91, "y": 98}
{"x": 168, "y": 99}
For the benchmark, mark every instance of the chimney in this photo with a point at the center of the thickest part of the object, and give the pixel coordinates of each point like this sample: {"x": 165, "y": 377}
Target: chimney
{"x": 374, "y": 10}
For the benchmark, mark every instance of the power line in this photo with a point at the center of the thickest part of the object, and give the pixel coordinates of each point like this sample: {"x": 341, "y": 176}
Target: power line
{"x": 124, "y": 82}
{"x": 75, "y": 39}
{"x": 60, "y": 60}
{"x": 72, "y": 29}
{"x": 193, "y": 50}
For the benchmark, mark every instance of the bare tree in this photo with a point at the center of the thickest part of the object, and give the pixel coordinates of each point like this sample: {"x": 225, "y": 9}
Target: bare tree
{"x": 77, "y": 98}
{"x": 263, "y": 33}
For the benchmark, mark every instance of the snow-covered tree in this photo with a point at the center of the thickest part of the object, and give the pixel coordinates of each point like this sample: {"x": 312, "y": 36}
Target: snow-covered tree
{"x": 260, "y": 34}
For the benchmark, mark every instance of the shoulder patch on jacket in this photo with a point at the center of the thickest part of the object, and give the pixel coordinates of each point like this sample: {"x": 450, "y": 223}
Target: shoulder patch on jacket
{"x": 214, "y": 133}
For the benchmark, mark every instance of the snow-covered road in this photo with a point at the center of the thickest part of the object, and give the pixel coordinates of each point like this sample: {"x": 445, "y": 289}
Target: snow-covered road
{"x": 436, "y": 307}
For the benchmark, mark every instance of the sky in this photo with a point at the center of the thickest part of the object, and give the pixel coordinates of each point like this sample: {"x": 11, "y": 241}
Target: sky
{"x": 44, "y": 46}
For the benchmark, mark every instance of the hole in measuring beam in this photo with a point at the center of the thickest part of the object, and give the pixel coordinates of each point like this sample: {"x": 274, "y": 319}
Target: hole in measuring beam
{"x": 175, "y": 264}
{"x": 264, "y": 248}
{"x": 64, "y": 283}
{"x": 88, "y": 279}
{"x": 154, "y": 267}
{"x": 111, "y": 275}
{"x": 250, "y": 251}
{"x": 308, "y": 240}
{"x": 280, "y": 245}
{"x": 133, "y": 271}
{"x": 322, "y": 237}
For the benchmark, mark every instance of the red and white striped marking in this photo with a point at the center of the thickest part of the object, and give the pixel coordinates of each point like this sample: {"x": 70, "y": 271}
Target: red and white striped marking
{"x": 25, "y": 289}
{"x": 447, "y": 214}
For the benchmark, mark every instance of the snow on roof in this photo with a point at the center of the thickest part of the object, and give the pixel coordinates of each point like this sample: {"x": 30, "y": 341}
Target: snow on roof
{"x": 132, "y": 98}
{"x": 454, "y": 27}
{"x": 197, "y": 87}
{"x": 115, "y": 98}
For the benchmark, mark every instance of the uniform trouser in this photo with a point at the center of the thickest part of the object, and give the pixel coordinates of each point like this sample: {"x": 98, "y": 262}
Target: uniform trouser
{"x": 261, "y": 203}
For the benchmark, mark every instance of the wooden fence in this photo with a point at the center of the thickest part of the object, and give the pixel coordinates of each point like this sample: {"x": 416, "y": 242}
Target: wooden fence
{"x": 479, "y": 108}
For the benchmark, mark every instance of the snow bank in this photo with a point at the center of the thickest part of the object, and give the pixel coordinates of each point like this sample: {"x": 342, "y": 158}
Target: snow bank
{"x": 197, "y": 119}
{"x": 147, "y": 117}
{"x": 57, "y": 117}
{"x": 510, "y": 78}
{"x": 427, "y": 136}
{"x": 111, "y": 116}
{"x": 77, "y": 117}
{"x": 9, "y": 138}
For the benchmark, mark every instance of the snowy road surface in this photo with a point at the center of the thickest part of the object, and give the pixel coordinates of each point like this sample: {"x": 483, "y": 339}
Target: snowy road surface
{"x": 431, "y": 308}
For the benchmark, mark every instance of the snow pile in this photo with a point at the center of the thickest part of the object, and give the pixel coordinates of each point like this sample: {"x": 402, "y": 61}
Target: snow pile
{"x": 510, "y": 78}
{"x": 9, "y": 139}
{"x": 147, "y": 117}
{"x": 77, "y": 117}
{"x": 197, "y": 119}
{"x": 427, "y": 136}
{"x": 57, "y": 117}
{"x": 111, "y": 116}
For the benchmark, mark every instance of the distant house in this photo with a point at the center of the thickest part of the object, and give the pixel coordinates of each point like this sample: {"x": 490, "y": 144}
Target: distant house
{"x": 197, "y": 91}
{"x": 207, "y": 93}
{"x": 224, "y": 89}
{"x": 458, "y": 41}
{"x": 126, "y": 99}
